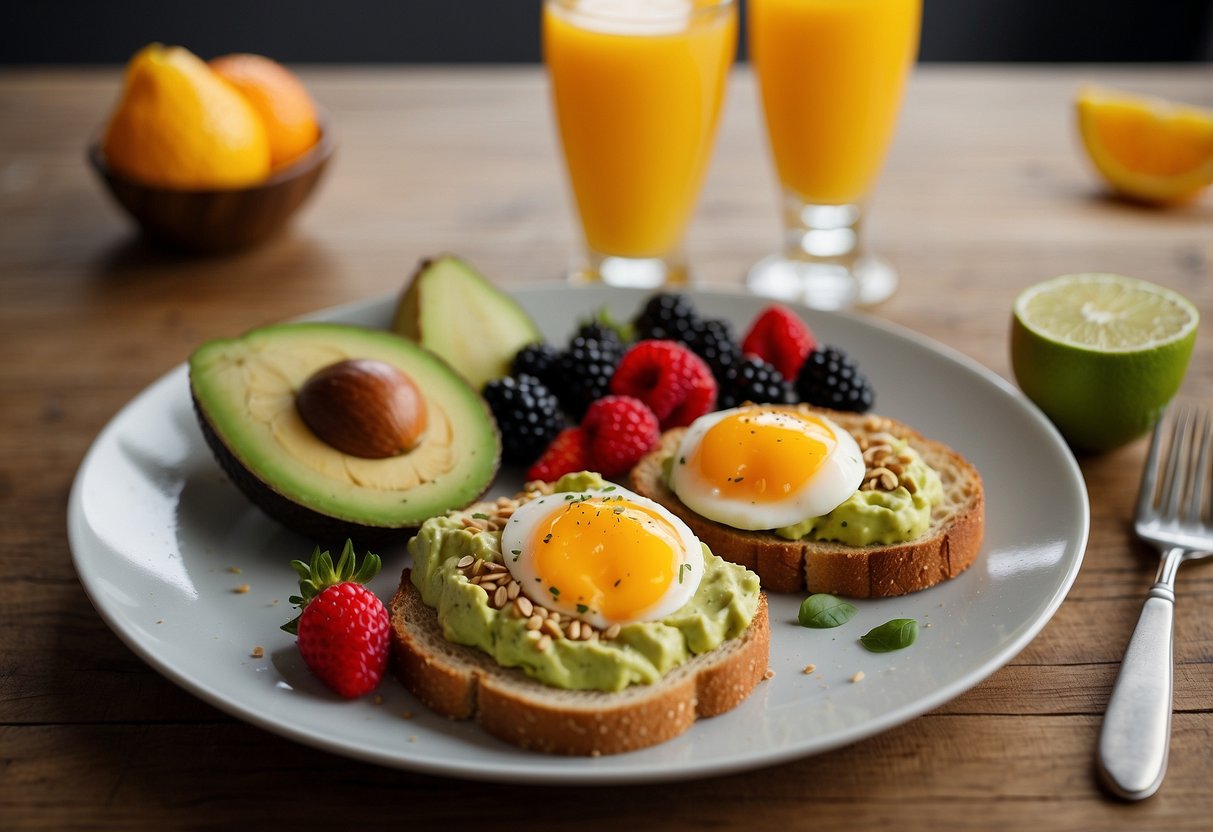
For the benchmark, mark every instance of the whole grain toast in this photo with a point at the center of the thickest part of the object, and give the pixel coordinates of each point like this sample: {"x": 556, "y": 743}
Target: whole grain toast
{"x": 464, "y": 683}
{"x": 947, "y": 548}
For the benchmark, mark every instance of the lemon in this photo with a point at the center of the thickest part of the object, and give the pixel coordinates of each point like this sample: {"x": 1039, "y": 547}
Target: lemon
{"x": 1147, "y": 148}
{"x": 179, "y": 125}
{"x": 1101, "y": 354}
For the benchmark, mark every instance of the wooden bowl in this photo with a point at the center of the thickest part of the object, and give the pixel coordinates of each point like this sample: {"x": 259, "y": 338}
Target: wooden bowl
{"x": 216, "y": 221}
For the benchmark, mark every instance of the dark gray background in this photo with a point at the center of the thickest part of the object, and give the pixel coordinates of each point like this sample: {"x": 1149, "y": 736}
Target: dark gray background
{"x": 422, "y": 31}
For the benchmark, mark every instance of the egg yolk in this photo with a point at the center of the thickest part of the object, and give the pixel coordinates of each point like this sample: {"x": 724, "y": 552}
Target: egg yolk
{"x": 762, "y": 456}
{"x": 611, "y": 556}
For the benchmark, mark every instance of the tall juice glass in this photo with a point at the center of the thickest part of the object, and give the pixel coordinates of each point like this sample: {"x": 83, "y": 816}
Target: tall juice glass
{"x": 831, "y": 74}
{"x": 637, "y": 87}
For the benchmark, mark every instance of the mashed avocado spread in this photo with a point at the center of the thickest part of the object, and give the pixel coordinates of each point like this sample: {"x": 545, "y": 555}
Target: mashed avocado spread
{"x": 722, "y": 608}
{"x": 875, "y": 517}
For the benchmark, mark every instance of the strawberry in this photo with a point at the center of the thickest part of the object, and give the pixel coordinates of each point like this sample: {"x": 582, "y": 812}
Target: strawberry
{"x": 674, "y": 382}
{"x": 343, "y": 629}
{"x": 619, "y": 430}
{"x": 779, "y": 338}
{"x": 567, "y": 453}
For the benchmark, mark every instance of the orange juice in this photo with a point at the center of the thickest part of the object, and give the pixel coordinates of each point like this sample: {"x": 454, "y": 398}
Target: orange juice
{"x": 637, "y": 87}
{"x": 832, "y": 73}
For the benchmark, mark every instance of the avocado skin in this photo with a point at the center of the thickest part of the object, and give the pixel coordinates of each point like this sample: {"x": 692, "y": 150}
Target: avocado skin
{"x": 324, "y": 530}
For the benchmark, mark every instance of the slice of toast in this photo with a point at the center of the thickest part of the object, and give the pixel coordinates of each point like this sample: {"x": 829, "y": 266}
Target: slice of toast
{"x": 946, "y": 549}
{"x": 464, "y": 683}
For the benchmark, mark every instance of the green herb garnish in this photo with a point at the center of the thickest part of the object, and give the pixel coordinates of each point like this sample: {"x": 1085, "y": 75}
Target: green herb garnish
{"x": 822, "y": 611}
{"x": 891, "y": 635}
{"x": 480, "y": 516}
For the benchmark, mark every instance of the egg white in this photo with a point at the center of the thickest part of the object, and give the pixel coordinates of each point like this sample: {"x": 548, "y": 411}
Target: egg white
{"x": 519, "y": 556}
{"x": 839, "y": 476}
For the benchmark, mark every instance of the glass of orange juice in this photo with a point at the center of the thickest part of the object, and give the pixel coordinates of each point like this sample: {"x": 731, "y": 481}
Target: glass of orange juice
{"x": 831, "y": 75}
{"x": 637, "y": 88}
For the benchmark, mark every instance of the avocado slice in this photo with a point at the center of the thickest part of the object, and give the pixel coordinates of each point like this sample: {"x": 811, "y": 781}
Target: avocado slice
{"x": 451, "y": 309}
{"x": 245, "y": 393}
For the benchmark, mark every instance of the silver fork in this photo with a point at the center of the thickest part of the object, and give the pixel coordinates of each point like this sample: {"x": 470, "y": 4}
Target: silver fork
{"x": 1175, "y": 515}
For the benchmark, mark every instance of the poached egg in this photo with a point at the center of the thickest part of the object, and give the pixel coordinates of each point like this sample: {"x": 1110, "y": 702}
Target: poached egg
{"x": 606, "y": 557}
{"x": 762, "y": 468}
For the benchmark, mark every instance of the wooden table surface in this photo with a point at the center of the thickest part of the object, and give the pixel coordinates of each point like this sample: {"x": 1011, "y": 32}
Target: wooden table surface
{"x": 985, "y": 193}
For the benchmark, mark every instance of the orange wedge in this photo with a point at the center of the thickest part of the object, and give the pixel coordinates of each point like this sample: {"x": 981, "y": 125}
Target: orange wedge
{"x": 1147, "y": 148}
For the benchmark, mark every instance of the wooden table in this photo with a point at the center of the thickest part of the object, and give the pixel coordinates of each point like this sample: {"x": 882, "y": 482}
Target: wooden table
{"x": 985, "y": 193}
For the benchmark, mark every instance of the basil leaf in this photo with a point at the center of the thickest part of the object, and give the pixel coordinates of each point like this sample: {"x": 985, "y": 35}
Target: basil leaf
{"x": 822, "y": 611}
{"x": 891, "y": 635}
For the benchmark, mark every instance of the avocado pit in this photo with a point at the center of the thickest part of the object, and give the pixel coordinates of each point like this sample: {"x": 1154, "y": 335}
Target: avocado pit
{"x": 363, "y": 407}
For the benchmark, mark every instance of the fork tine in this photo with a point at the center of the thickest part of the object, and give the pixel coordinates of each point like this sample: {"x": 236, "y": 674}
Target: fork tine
{"x": 1176, "y": 464}
{"x": 1149, "y": 477}
{"x": 1200, "y": 481}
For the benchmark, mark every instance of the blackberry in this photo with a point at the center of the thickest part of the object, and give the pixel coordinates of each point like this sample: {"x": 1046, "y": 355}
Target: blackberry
{"x": 528, "y": 416}
{"x": 536, "y": 360}
{"x": 753, "y": 380}
{"x": 713, "y": 341}
{"x": 829, "y": 379}
{"x": 583, "y": 373}
{"x": 599, "y": 331}
{"x": 667, "y": 316}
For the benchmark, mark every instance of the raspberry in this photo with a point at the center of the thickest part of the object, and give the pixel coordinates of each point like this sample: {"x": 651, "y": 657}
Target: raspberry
{"x": 619, "y": 431}
{"x": 667, "y": 316}
{"x": 536, "y": 360}
{"x": 713, "y": 341}
{"x": 583, "y": 372}
{"x": 569, "y": 452}
{"x": 780, "y": 338}
{"x": 675, "y": 383}
{"x": 830, "y": 379}
{"x": 528, "y": 416}
{"x": 753, "y": 380}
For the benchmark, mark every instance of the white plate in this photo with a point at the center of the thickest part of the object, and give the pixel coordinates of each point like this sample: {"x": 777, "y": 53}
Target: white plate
{"x": 156, "y": 528}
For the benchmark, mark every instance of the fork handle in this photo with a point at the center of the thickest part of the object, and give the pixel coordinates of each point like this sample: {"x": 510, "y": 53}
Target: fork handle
{"x": 1137, "y": 725}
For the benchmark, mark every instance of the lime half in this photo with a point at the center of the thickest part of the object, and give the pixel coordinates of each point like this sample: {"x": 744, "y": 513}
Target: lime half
{"x": 1101, "y": 354}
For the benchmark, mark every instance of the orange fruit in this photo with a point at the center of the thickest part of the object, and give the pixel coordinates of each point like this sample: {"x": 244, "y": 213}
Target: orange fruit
{"x": 179, "y": 125}
{"x": 1147, "y": 148}
{"x": 279, "y": 98}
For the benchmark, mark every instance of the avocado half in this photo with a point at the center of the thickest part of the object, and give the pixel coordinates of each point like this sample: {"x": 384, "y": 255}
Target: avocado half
{"x": 244, "y": 391}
